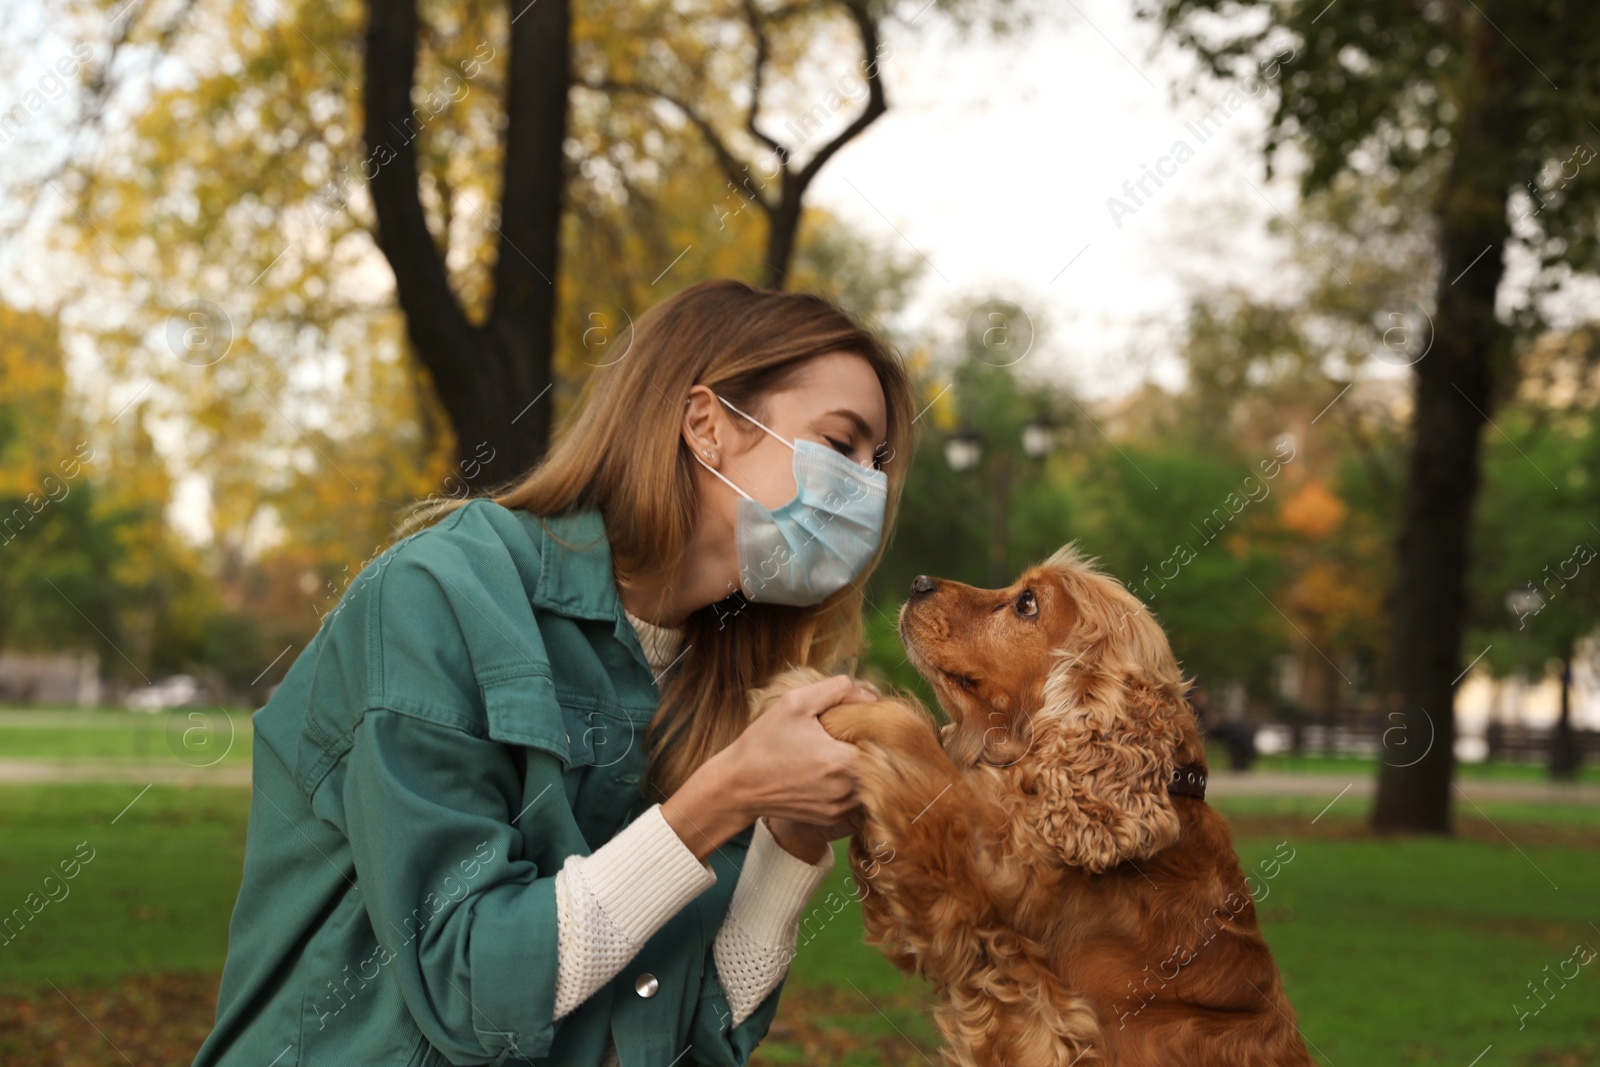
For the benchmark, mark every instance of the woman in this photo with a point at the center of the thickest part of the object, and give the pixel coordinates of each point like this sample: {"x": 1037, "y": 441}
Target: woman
{"x": 506, "y": 807}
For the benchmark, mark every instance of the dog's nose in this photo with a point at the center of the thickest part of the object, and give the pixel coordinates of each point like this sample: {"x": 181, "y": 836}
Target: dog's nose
{"x": 921, "y": 585}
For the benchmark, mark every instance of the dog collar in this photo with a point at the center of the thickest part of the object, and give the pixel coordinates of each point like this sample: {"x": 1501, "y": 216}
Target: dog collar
{"x": 1188, "y": 780}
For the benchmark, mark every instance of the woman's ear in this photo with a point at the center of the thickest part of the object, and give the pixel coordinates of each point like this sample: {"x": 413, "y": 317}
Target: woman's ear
{"x": 1099, "y": 779}
{"x": 701, "y": 417}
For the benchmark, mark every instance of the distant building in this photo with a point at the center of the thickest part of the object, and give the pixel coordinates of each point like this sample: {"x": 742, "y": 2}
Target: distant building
{"x": 71, "y": 678}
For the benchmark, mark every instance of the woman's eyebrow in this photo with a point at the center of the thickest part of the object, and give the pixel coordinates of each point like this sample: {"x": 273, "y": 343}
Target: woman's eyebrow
{"x": 860, "y": 424}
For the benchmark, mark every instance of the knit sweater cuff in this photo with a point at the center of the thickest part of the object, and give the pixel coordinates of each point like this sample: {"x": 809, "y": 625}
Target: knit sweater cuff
{"x": 774, "y": 885}
{"x": 645, "y": 875}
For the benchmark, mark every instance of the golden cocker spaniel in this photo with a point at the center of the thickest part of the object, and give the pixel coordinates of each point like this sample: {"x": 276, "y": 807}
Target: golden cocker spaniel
{"x": 1047, "y": 859}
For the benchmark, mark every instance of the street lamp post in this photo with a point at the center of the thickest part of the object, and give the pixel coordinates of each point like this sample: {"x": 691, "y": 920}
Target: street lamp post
{"x": 964, "y": 450}
{"x": 1564, "y": 753}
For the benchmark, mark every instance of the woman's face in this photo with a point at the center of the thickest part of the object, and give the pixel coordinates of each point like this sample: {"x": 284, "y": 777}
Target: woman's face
{"x": 834, "y": 400}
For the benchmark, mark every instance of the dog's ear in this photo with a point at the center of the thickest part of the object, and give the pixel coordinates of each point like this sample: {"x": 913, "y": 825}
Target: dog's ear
{"x": 1114, "y": 725}
{"x": 1100, "y": 774}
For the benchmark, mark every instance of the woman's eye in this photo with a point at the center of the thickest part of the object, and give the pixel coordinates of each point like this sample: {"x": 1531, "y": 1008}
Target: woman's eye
{"x": 1026, "y": 604}
{"x": 842, "y": 447}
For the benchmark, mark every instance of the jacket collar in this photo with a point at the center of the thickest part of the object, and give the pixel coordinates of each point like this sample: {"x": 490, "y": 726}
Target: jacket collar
{"x": 576, "y": 577}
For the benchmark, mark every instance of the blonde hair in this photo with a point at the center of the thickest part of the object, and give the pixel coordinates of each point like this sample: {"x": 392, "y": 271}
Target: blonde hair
{"x": 624, "y": 454}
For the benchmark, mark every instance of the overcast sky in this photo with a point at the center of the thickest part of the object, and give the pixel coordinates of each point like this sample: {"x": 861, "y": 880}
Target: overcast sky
{"x": 996, "y": 162}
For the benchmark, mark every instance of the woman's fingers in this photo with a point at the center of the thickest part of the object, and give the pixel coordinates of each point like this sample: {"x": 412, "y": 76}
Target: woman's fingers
{"x": 806, "y": 774}
{"x": 818, "y": 697}
{"x": 849, "y": 825}
{"x": 862, "y": 691}
{"x": 837, "y": 689}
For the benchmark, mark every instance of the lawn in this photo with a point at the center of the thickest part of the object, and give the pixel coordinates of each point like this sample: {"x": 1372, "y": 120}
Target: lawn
{"x": 195, "y": 736}
{"x": 1367, "y": 766}
{"x": 155, "y": 896}
{"x": 198, "y": 736}
{"x": 1394, "y": 951}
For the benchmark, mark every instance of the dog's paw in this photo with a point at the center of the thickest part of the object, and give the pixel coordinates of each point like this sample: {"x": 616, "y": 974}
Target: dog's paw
{"x": 785, "y": 681}
{"x": 895, "y": 723}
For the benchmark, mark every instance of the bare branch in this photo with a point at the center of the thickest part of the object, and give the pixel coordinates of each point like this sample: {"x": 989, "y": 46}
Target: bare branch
{"x": 92, "y": 107}
{"x": 753, "y": 17}
{"x": 877, "y": 102}
{"x": 729, "y": 163}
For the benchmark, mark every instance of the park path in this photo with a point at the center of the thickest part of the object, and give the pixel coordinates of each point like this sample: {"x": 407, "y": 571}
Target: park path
{"x": 168, "y": 772}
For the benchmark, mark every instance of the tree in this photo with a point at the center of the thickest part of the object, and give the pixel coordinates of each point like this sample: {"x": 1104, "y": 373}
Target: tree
{"x": 1188, "y": 531}
{"x": 87, "y": 559}
{"x": 48, "y": 564}
{"x": 980, "y": 526}
{"x": 1479, "y": 98}
{"x": 747, "y": 178}
{"x": 1536, "y": 588}
{"x": 759, "y": 163}
{"x": 490, "y": 376}
{"x": 449, "y": 163}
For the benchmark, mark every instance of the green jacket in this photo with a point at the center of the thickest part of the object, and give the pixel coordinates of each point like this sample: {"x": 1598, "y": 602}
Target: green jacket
{"x": 469, "y": 715}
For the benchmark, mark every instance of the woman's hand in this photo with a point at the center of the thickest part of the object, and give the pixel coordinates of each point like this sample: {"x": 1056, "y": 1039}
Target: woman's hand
{"x": 791, "y": 769}
{"x": 784, "y": 765}
{"x": 808, "y": 842}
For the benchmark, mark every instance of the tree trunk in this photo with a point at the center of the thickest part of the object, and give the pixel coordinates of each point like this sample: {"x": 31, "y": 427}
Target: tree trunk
{"x": 1564, "y": 743}
{"x": 493, "y": 380}
{"x": 783, "y": 233}
{"x": 1455, "y": 383}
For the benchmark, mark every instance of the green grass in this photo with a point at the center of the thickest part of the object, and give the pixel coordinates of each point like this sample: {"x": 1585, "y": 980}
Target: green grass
{"x": 156, "y": 896}
{"x": 1351, "y": 809}
{"x": 1394, "y": 951}
{"x": 1367, "y": 767}
{"x": 190, "y": 736}
{"x": 1416, "y": 951}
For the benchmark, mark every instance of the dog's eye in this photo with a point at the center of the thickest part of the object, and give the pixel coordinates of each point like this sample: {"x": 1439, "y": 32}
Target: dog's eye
{"x": 1027, "y": 603}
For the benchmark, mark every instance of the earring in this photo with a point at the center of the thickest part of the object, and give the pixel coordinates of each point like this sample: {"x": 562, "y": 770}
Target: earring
{"x": 708, "y": 454}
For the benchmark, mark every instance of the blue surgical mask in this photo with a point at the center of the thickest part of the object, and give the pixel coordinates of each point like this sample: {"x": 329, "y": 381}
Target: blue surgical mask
{"x": 817, "y": 543}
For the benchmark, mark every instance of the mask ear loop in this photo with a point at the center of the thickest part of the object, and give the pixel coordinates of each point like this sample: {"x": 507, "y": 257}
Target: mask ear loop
{"x": 761, "y": 424}
{"x": 786, "y": 441}
{"x": 719, "y": 474}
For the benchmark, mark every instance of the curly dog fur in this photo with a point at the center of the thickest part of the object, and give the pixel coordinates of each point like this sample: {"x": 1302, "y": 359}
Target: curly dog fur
{"x": 1026, "y": 857}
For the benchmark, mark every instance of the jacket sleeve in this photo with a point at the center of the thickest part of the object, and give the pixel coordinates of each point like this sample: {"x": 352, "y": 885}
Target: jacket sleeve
{"x": 610, "y": 902}
{"x": 715, "y": 1040}
{"x": 468, "y": 930}
{"x": 758, "y": 936}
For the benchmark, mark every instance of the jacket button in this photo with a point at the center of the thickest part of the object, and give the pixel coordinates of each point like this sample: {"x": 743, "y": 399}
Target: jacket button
{"x": 646, "y": 985}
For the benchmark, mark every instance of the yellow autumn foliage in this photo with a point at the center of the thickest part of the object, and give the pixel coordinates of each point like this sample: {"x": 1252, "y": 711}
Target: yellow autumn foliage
{"x": 1313, "y": 511}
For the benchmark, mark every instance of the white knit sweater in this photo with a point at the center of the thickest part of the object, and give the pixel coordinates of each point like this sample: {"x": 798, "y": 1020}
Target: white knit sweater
{"x": 610, "y": 902}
